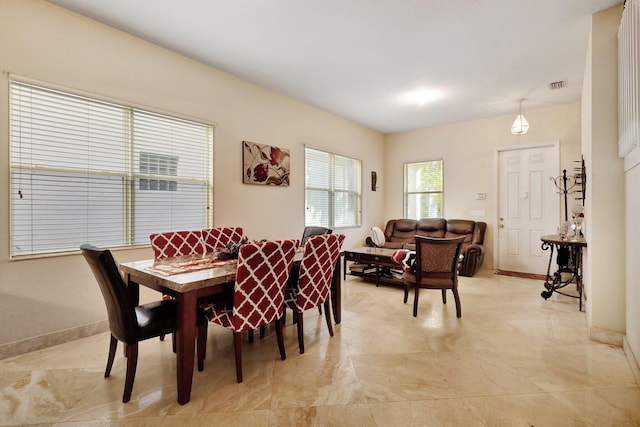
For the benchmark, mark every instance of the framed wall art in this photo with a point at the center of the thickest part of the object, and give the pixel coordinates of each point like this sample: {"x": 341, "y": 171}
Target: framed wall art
{"x": 265, "y": 164}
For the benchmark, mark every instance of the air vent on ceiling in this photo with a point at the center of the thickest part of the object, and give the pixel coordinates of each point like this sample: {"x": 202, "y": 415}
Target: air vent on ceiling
{"x": 557, "y": 85}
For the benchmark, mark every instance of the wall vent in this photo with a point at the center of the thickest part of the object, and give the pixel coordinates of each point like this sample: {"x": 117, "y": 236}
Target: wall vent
{"x": 557, "y": 85}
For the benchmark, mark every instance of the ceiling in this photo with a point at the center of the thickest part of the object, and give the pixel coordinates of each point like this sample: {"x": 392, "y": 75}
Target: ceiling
{"x": 363, "y": 59}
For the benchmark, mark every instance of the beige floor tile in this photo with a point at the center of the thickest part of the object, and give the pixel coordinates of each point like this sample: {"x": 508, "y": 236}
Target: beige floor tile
{"x": 345, "y": 415}
{"x": 513, "y": 359}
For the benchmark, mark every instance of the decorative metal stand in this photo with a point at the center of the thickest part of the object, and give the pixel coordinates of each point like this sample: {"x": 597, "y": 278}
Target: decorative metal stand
{"x": 569, "y": 269}
{"x": 568, "y": 248}
{"x": 571, "y": 185}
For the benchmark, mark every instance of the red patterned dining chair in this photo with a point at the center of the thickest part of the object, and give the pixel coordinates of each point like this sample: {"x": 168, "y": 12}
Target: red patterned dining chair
{"x": 436, "y": 267}
{"x": 258, "y": 294}
{"x": 311, "y": 286}
{"x": 171, "y": 244}
{"x": 306, "y": 233}
{"x": 220, "y": 237}
{"x": 132, "y": 323}
{"x": 176, "y": 243}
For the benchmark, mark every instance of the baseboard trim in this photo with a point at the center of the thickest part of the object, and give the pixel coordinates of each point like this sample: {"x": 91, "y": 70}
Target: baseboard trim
{"x": 633, "y": 361}
{"x": 606, "y": 337}
{"x": 54, "y": 338}
{"x": 523, "y": 275}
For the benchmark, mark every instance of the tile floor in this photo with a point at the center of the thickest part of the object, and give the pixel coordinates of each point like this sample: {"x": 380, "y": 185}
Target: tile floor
{"x": 513, "y": 359}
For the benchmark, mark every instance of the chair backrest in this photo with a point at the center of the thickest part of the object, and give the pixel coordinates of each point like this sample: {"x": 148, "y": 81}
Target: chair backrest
{"x": 313, "y": 231}
{"x": 437, "y": 255}
{"x": 261, "y": 277}
{"x": 120, "y": 310}
{"x": 220, "y": 237}
{"x": 316, "y": 270}
{"x": 176, "y": 243}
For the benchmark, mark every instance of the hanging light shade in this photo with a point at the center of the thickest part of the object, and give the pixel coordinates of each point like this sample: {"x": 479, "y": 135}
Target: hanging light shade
{"x": 520, "y": 125}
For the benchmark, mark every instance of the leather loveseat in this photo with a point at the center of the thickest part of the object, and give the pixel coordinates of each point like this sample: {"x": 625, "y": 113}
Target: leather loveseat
{"x": 399, "y": 234}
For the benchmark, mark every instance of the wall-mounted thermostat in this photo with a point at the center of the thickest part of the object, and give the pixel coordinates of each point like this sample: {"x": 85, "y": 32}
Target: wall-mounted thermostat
{"x": 481, "y": 196}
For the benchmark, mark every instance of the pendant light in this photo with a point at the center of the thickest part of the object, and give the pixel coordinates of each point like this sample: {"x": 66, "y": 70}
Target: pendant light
{"x": 520, "y": 125}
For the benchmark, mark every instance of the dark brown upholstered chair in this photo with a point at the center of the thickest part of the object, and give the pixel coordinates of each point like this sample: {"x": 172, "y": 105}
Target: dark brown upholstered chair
{"x": 131, "y": 323}
{"x": 436, "y": 268}
{"x": 313, "y": 231}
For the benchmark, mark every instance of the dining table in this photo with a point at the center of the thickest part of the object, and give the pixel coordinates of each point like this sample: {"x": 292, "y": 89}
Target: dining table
{"x": 188, "y": 279}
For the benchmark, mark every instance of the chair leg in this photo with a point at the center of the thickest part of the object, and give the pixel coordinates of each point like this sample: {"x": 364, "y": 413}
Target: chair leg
{"x": 173, "y": 341}
{"x": 237, "y": 343}
{"x": 113, "y": 345}
{"x": 327, "y": 315}
{"x": 320, "y": 309}
{"x": 202, "y": 345}
{"x": 406, "y": 293}
{"x": 161, "y": 337}
{"x": 457, "y": 298}
{"x": 415, "y": 301}
{"x": 280, "y": 339}
{"x": 132, "y": 362}
{"x": 250, "y": 336}
{"x": 300, "y": 326}
{"x": 444, "y": 296}
{"x": 262, "y": 329}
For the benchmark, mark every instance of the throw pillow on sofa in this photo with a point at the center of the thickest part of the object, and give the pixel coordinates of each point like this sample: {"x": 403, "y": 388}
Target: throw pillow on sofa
{"x": 377, "y": 237}
{"x": 405, "y": 258}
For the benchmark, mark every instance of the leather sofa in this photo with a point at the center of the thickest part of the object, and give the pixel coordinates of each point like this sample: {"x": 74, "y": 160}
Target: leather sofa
{"x": 399, "y": 234}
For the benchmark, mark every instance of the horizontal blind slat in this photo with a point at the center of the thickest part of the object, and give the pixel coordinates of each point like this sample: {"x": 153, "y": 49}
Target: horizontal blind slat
{"x": 84, "y": 170}
{"x": 333, "y": 185}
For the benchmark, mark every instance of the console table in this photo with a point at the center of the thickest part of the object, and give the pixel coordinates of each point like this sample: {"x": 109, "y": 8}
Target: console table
{"x": 377, "y": 258}
{"x": 569, "y": 265}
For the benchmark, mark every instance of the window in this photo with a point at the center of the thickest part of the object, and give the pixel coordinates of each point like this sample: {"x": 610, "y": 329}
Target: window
{"x": 88, "y": 171}
{"x": 423, "y": 189}
{"x": 333, "y": 190}
{"x": 158, "y": 164}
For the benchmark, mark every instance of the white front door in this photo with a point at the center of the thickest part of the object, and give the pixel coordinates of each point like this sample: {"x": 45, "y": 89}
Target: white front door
{"x": 528, "y": 207}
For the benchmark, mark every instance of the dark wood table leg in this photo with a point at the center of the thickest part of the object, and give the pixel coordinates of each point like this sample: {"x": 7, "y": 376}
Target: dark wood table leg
{"x": 336, "y": 292}
{"x": 344, "y": 266}
{"x": 185, "y": 348}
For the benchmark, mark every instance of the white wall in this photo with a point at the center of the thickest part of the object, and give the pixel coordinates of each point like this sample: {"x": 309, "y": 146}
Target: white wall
{"x": 467, "y": 150}
{"x": 605, "y": 202}
{"x": 41, "y": 41}
{"x": 632, "y": 296}
{"x": 632, "y": 233}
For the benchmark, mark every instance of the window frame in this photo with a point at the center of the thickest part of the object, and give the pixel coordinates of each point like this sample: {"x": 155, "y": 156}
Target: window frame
{"x": 332, "y": 191}
{"x": 407, "y": 193}
{"x": 128, "y": 170}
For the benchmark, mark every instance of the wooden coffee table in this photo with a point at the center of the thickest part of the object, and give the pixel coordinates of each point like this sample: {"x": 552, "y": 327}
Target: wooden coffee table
{"x": 377, "y": 258}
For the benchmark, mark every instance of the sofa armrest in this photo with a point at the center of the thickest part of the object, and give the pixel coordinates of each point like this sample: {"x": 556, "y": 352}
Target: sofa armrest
{"x": 472, "y": 261}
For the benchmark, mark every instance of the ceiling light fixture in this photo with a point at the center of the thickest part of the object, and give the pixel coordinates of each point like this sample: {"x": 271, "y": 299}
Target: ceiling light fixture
{"x": 520, "y": 125}
{"x": 421, "y": 96}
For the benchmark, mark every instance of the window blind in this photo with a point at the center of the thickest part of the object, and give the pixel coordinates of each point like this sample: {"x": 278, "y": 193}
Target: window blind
{"x": 423, "y": 189}
{"x": 333, "y": 188}
{"x": 84, "y": 170}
